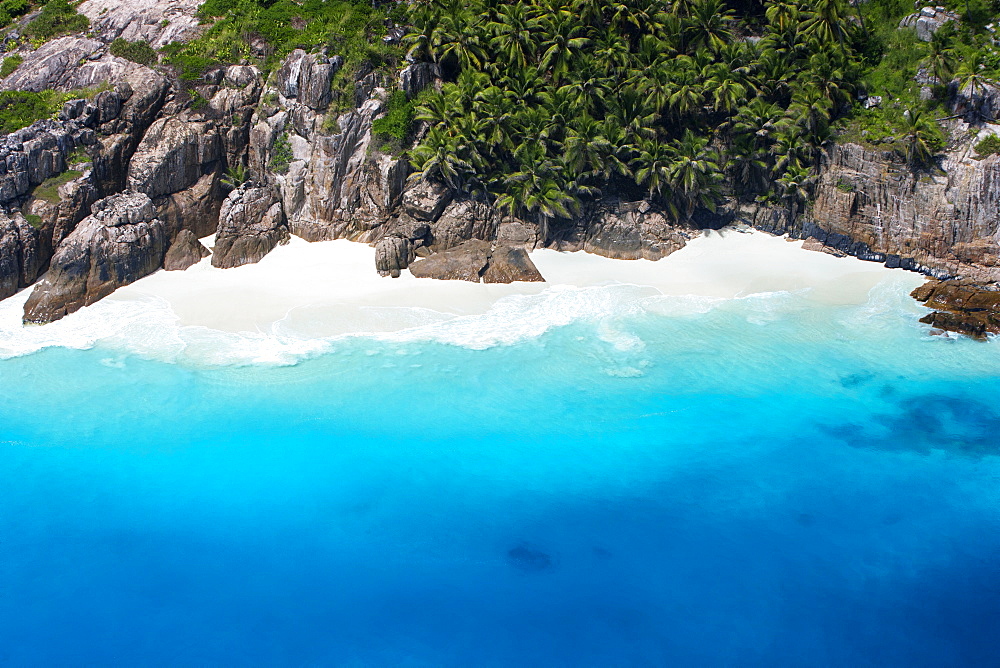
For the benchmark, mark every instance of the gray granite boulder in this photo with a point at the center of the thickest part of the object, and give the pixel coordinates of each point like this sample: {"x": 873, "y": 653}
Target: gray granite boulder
{"x": 119, "y": 243}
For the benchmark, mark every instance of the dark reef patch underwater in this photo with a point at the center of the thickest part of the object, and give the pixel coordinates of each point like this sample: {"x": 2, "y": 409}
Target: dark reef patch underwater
{"x": 760, "y": 482}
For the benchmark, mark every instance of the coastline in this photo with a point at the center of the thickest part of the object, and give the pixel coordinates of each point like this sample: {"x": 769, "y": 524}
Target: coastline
{"x": 303, "y": 294}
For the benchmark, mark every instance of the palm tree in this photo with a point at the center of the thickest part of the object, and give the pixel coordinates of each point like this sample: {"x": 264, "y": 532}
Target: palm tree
{"x": 827, "y": 21}
{"x": 512, "y": 34}
{"x": 436, "y": 158}
{"x": 585, "y": 145}
{"x": 652, "y": 166}
{"x": 794, "y": 185}
{"x": 694, "y": 174}
{"x": 708, "y": 25}
{"x": 563, "y": 39}
{"x": 919, "y": 137}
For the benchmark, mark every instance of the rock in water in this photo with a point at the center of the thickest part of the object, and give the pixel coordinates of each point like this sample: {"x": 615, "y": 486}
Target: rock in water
{"x": 961, "y": 306}
{"x": 477, "y": 261}
{"x": 120, "y": 242}
{"x": 251, "y": 224}
{"x": 529, "y": 559}
{"x": 184, "y": 252}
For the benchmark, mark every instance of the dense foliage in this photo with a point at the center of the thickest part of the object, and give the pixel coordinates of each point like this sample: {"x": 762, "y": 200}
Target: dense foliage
{"x": 265, "y": 31}
{"x": 138, "y": 52}
{"x": 398, "y": 119}
{"x": 21, "y": 108}
{"x": 548, "y": 104}
{"x": 10, "y": 63}
{"x": 11, "y": 9}
{"x": 58, "y": 17}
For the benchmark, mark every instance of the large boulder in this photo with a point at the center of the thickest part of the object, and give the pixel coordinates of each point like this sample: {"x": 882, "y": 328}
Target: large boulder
{"x": 251, "y": 224}
{"x": 395, "y": 251}
{"x": 632, "y": 230}
{"x": 478, "y": 261}
{"x": 463, "y": 220}
{"x": 307, "y": 78}
{"x": 426, "y": 200}
{"x": 119, "y": 243}
{"x": 393, "y": 254}
{"x": 173, "y": 155}
{"x": 928, "y": 21}
{"x": 184, "y": 252}
{"x": 508, "y": 264}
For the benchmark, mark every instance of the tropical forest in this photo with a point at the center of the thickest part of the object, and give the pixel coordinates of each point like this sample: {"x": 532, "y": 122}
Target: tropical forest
{"x": 547, "y": 105}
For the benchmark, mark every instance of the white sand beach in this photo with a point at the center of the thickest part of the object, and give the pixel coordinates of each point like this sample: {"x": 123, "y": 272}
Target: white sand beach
{"x": 303, "y": 282}
{"x": 304, "y": 292}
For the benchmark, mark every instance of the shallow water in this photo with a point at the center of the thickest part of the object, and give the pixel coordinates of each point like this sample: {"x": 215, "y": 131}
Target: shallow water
{"x": 600, "y": 476}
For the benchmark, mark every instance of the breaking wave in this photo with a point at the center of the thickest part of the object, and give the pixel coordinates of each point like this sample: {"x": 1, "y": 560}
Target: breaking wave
{"x": 149, "y": 327}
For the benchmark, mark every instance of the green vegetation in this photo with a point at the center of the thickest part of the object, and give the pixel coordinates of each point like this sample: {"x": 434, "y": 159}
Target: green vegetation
{"x": 58, "y": 17}
{"x": 236, "y": 176}
{"x": 11, "y": 9}
{"x": 138, "y": 52}
{"x": 352, "y": 30}
{"x": 547, "y": 105}
{"x": 78, "y": 156}
{"x": 988, "y": 146}
{"x": 398, "y": 119}
{"x": 10, "y": 63}
{"x": 34, "y": 220}
{"x": 48, "y": 189}
{"x": 19, "y": 109}
{"x": 281, "y": 154}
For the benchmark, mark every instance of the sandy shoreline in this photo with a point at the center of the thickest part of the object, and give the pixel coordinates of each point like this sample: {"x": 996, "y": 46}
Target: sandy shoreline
{"x": 302, "y": 294}
{"x": 302, "y": 282}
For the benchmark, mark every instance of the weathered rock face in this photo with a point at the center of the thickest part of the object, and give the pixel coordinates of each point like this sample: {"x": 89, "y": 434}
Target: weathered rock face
{"x": 943, "y": 224}
{"x": 74, "y": 63}
{"x": 462, "y": 220}
{"x": 307, "y": 78}
{"x": 416, "y": 76}
{"x": 632, "y": 230}
{"x": 22, "y": 254}
{"x": 120, "y": 242}
{"x": 174, "y": 154}
{"x": 251, "y": 224}
{"x": 928, "y": 21}
{"x": 158, "y": 22}
{"x": 184, "y": 252}
{"x": 478, "y": 261}
{"x": 961, "y": 306}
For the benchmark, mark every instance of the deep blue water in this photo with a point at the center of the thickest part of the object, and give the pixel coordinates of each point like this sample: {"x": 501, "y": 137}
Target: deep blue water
{"x": 794, "y": 485}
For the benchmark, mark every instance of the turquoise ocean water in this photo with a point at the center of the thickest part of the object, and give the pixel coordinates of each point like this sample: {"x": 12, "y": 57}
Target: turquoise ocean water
{"x": 765, "y": 481}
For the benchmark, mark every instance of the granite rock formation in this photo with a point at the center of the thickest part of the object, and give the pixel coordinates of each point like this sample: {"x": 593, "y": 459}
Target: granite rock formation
{"x": 184, "y": 251}
{"x": 251, "y": 224}
{"x": 478, "y": 261}
{"x": 119, "y": 243}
